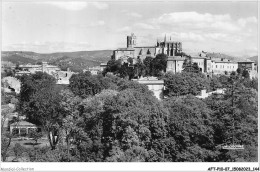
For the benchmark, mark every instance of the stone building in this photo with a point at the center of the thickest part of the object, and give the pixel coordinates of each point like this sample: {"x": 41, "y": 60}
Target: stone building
{"x": 62, "y": 77}
{"x": 223, "y": 66}
{"x": 250, "y": 66}
{"x": 50, "y": 69}
{"x": 175, "y": 61}
{"x": 175, "y": 64}
{"x": 153, "y": 84}
{"x": 168, "y": 47}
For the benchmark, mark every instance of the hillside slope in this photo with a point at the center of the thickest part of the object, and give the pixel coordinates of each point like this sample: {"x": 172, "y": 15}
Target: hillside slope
{"x": 77, "y": 60}
{"x": 224, "y": 56}
{"x": 254, "y": 58}
{"x": 18, "y": 59}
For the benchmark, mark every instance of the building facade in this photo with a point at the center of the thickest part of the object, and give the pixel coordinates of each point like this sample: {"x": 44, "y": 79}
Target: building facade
{"x": 168, "y": 47}
{"x": 175, "y": 64}
{"x": 62, "y": 77}
{"x": 175, "y": 61}
{"x": 50, "y": 69}
{"x": 153, "y": 84}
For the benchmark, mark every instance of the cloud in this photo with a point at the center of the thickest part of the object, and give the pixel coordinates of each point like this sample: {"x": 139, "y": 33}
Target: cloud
{"x": 194, "y": 17}
{"x": 144, "y": 26}
{"x": 69, "y": 5}
{"x": 195, "y": 20}
{"x": 48, "y": 47}
{"x": 100, "y": 5}
{"x": 98, "y": 23}
{"x": 134, "y": 14}
{"x": 243, "y": 21}
{"x": 76, "y": 5}
{"x": 185, "y": 36}
{"x": 124, "y": 29}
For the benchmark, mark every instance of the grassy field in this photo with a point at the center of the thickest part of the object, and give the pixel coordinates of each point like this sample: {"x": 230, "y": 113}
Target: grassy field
{"x": 26, "y": 143}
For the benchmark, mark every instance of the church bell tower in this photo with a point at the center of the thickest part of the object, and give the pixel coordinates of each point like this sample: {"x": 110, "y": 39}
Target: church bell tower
{"x": 131, "y": 41}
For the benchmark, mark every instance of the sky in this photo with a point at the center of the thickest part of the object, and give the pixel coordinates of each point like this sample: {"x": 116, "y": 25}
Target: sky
{"x": 65, "y": 26}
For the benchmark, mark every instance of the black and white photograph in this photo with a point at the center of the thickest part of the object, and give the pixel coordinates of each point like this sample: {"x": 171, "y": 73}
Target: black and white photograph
{"x": 129, "y": 85}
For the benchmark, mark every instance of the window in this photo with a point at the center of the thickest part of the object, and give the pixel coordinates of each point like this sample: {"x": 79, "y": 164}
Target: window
{"x": 23, "y": 132}
{"x": 216, "y": 66}
{"x": 15, "y": 131}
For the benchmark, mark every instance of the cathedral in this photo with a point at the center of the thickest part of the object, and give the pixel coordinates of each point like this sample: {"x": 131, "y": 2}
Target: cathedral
{"x": 168, "y": 47}
{"x": 207, "y": 64}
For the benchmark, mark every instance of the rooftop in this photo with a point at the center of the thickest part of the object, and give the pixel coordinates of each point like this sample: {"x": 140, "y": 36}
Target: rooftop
{"x": 124, "y": 49}
{"x": 149, "y": 81}
{"x": 246, "y": 61}
{"x": 30, "y": 66}
{"x": 23, "y": 123}
{"x": 178, "y": 58}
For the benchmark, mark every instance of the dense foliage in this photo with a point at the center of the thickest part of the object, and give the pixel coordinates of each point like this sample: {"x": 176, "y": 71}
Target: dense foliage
{"x": 148, "y": 67}
{"x": 110, "y": 119}
{"x": 185, "y": 83}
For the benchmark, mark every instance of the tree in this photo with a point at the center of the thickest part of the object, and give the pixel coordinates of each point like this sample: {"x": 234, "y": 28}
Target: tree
{"x": 70, "y": 106}
{"x": 226, "y": 72}
{"x": 184, "y": 83}
{"x": 188, "y": 66}
{"x": 89, "y": 142}
{"x": 148, "y": 65}
{"x": 35, "y": 135}
{"x": 84, "y": 85}
{"x": 190, "y": 130}
{"x": 139, "y": 68}
{"x": 159, "y": 63}
{"x": 113, "y": 66}
{"x": 30, "y": 84}
{"x": 239, "y": 71}
{"x": 39, "y": 101}
{"x": 215, "y": 83}
{"x": 143, "y": 116}
{"x": 245, "y": 73}
{"x": 18, "y": 150}
{"x": 44, "y": 110}
{"x": 235, "y": 116}
{"x": 9, "y": 72}
{"x": 107, "y": 82}
{"x": 6, "y": 138}
{"x": 224, "y": 80}
{"x": 124, "y": 71}
{"x": 134, "y": 86}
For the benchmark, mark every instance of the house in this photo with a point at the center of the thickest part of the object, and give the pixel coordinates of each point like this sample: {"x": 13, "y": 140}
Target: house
{"x": 153, "y": 84}
{"x": 23, "y": 128}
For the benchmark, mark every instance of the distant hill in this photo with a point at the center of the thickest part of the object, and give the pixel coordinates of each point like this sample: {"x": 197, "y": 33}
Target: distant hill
{"x": 220, "y": 55}
{"x": 224, "y": 56}
{"x": 254, "y": 58}
{"x": 77, "y": 60}
{"x": 17, "y": 59}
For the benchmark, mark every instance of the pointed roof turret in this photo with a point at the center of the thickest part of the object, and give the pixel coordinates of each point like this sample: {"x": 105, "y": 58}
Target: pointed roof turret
{"x": 148, "y": 52}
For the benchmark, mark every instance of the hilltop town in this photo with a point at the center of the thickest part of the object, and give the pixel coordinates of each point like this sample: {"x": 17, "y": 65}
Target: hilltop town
{"x": 143, "y": 103}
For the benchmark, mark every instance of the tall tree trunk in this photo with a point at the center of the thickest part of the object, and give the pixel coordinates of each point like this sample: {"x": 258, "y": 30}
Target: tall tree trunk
{"x": 53, "y": 141}
{"x": 4, "y": 153}
{"x": 68, "y": 148}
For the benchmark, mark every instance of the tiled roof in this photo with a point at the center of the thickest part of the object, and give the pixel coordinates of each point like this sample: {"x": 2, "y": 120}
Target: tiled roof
{"x": 23, "y": 123}
{"x": 178, "y": 58}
